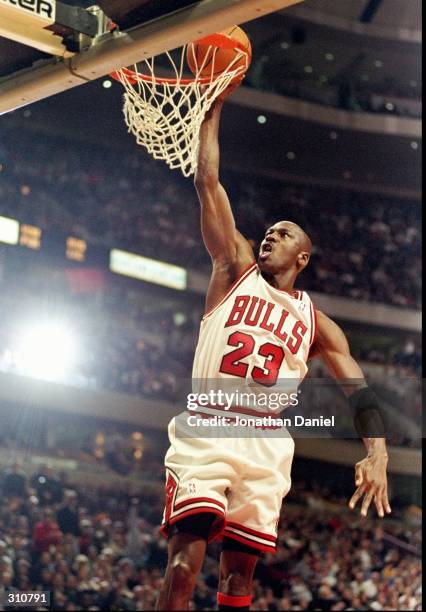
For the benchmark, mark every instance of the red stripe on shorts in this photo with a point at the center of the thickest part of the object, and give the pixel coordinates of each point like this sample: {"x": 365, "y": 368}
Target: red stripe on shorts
{"x": 258, "y": 534}
{"x": 196, "y": 500}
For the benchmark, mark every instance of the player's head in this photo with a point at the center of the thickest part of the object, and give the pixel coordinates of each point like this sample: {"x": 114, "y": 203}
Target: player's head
{"x": 285, "y": 247}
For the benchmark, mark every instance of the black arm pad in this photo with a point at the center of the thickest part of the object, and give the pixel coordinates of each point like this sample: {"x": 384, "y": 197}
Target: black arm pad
{"x": 367, "y": 415}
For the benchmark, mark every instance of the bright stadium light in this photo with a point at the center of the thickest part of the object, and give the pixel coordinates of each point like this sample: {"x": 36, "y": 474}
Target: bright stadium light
{"x": 46, "y": 351}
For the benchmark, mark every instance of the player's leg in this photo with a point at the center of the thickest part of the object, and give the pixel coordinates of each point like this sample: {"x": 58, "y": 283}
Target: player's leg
{"x": 186, "y": 556}
{"x": 237, "y": 565}
{"x": 198, "y": 476}
{"x": 252, "y": 516}
{"x": 187, "y": 547}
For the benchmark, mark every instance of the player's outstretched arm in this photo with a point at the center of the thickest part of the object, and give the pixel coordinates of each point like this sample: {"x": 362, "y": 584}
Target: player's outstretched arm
{"x": 230, "y": 252}
{"x": 370, "y": 473}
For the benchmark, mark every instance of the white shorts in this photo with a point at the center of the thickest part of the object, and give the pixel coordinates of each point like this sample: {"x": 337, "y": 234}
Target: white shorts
{"x": 241, "y": 480}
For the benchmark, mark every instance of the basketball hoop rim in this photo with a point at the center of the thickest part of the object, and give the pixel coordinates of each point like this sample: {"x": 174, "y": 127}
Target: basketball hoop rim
{"x": 222, "y": 41}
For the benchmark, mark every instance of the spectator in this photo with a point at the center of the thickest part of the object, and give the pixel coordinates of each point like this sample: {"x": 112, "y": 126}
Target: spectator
{"x": 46, "y": 533}
{"x": 67, "y": 515}
{"x": 7, "y": 588}
{"x": 48, "y": 486}
{"x": 14, "y": 481}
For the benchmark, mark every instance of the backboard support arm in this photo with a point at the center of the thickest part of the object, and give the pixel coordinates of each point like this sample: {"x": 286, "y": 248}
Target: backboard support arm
{"x": 116, "y": 49}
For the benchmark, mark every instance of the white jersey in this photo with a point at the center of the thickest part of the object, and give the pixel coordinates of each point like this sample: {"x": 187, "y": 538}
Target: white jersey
{"x": 256, "y": 340}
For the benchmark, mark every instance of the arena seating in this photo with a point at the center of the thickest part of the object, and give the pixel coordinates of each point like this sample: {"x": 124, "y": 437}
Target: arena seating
{"x": 98, "y": 548}
{"x": 362, "y": 242}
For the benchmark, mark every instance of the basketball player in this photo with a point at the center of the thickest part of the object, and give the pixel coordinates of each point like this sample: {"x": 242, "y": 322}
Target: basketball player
{"x": 255, "y": 328}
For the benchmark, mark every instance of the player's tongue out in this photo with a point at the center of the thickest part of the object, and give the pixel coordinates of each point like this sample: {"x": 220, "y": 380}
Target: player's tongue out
{"x": 266, "y": 251}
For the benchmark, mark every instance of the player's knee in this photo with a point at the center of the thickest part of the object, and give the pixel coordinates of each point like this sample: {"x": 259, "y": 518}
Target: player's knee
{"x": 183, "y": 572}
{"x": 235, "y": 583}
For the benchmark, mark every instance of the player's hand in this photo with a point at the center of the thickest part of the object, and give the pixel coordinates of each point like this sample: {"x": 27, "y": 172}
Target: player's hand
{"x": 372, "y": 484}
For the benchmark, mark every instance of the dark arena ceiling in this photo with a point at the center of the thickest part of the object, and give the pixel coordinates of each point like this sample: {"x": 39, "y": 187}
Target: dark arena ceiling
{"x": 395, "y": 14}
{"x": 285, "y": 42}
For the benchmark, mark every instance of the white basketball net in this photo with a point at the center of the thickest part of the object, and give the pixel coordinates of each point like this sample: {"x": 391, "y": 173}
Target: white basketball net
{"x": 165, "y": 114}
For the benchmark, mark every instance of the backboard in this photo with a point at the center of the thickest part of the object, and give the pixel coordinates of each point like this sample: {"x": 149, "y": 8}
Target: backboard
{"x": 142, "y": 29}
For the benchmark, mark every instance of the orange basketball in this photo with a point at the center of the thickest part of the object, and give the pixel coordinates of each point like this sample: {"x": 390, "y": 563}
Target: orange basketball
{"x": 212, "y": 55}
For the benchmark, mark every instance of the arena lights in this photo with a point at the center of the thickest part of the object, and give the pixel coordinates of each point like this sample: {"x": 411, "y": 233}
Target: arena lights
{"x": 147, "y": 269}
{"x": 30, "y": 237}
{"x": 75, "y": 249}
{"x": 46, "y": 351}
{"x": 9, "y": 230}
{"x": 179, "y": 318}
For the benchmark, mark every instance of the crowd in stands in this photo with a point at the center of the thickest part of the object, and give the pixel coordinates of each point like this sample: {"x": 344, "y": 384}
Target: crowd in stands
{"x": 362, "y": 242}
{"x": 351, "y": 91}
{"x": 99, "y": 548}
{"x": 346, "y": 95}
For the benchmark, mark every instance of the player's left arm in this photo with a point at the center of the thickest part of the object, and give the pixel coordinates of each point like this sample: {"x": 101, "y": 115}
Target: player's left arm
{"x": 370, "y": 473}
